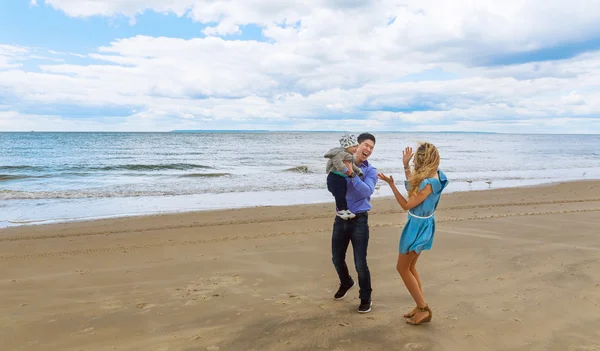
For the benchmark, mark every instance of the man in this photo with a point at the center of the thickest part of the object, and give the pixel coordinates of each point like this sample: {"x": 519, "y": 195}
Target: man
{"x": 356, "y": 230}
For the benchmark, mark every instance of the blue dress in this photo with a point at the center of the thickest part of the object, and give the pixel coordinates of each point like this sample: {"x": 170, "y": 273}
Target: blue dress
{"x": 419, "y": 230}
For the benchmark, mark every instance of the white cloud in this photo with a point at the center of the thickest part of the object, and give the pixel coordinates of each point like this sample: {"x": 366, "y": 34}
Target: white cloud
{"x": 556, "y": 125}
{"x": 327, "y": 63}
{"x": 11, "y": 55}
{"x": 224, "y": 28}
{"x": 467, "y": 25}
{"x": 87, "y": 8}
{"x": 14, "y": 121}
{"x": 573, "y": 99}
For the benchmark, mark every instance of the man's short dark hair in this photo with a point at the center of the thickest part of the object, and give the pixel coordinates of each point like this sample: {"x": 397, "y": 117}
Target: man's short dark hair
{"x": 366, "y": 136}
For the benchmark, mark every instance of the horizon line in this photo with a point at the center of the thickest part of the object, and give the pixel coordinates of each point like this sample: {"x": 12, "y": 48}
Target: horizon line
{"x": 296, "y": 131}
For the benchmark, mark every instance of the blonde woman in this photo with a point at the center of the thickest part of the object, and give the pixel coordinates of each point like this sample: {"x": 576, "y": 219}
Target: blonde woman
{"x": 424, "y": 184}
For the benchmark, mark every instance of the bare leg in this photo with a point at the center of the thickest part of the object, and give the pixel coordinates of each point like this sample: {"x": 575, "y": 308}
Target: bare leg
{"x": 410, "y": 281}
{"x": 413, "y": 270}
{"x": 403, "y": 266}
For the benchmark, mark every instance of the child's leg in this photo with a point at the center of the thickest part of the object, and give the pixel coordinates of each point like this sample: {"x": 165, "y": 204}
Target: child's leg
{"x": 337, "y": 186}
{"x": 403, "y": 266}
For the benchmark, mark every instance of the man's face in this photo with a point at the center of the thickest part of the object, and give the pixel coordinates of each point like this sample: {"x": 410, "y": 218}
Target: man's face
{"x": 364, "y": 150}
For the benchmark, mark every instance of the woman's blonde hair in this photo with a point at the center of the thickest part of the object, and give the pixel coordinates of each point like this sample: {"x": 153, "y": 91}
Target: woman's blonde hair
{"x": 426, "y": 163}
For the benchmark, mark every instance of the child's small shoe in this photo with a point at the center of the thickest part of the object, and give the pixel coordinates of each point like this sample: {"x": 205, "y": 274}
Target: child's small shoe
{"x": 350, "y": 214}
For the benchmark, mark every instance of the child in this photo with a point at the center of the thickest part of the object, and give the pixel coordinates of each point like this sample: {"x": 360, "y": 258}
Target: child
{"x": 424, "y": 184}
{"x": 338, "y": 171}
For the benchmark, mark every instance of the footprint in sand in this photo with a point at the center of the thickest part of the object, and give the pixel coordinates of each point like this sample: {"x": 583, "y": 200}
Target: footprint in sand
{"x": 207, "y": 288}
{"x": 111, "y": 304}
{"x": 413, "y": 346}
{"x": 244, "y": 310}
{"x": 144, "y": 306}
{"x": 288, "y": 299}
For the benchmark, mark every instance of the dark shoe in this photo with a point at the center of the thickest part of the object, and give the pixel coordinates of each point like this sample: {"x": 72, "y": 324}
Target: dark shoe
{"x": 365, "y": 306}
{"x": 342, "y": 292}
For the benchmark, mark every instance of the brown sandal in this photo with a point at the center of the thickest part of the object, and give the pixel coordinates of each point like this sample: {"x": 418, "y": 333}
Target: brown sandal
{"x": 411, "y": 313}
{"x": 427, "y": 319}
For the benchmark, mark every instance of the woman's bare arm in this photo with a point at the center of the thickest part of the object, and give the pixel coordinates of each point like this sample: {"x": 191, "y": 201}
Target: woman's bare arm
{"x": 413, "y": 201}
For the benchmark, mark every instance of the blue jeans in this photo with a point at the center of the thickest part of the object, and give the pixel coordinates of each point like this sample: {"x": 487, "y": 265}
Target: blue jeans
{"x": 354, "y": 230}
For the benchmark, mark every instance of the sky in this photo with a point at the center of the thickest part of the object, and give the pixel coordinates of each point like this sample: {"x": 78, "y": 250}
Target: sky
{"x": 525, "y": 66}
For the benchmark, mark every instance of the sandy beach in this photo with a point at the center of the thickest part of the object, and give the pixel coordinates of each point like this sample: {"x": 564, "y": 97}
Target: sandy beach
{"x": 511, "y": 269}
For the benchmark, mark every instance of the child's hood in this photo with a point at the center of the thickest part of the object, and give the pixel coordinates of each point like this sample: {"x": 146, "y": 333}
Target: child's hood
{"x": 336, "y": 150}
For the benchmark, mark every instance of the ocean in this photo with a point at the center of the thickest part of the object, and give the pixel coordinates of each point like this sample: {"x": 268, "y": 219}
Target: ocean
{"x": 49, "y": 177}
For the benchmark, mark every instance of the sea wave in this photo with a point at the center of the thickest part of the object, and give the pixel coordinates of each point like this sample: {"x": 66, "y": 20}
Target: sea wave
{"x": 127, "y": 191}
{"x": 151, "y": 167}
{"x": 205, "y": 175}
{"x": 299, "y": 169}
{"x": 7, "y": 177}
{"x": 20, "y": 168}
{"x": 77, "y": 194}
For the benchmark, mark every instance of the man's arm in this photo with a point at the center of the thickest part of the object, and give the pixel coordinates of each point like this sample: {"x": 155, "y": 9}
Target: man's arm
{"x": 367, "y": 187}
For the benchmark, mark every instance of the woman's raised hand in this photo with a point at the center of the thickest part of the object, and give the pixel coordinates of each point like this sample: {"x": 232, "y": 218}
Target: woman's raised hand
{"x": 407, "y": 154}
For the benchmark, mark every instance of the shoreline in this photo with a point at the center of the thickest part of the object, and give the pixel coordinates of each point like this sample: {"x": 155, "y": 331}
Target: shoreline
{"x": 153, "y": 214}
